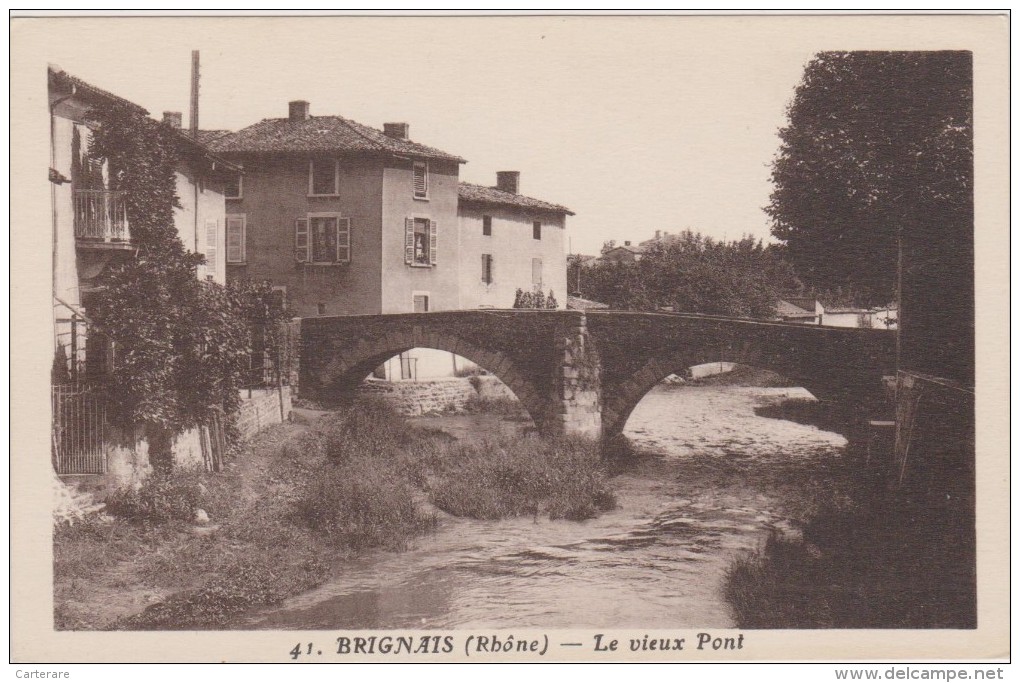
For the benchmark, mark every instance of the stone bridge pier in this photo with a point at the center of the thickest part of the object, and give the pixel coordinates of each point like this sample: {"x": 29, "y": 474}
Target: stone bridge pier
{"x": 578, "y": 373}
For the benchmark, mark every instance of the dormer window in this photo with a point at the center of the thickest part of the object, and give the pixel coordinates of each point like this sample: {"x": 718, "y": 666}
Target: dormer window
{"x": 323, "y": 177}
{"x": 420, "y": 179}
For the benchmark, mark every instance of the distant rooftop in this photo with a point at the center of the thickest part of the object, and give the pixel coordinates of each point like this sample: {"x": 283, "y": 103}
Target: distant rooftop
{"x": 491, "y": 195}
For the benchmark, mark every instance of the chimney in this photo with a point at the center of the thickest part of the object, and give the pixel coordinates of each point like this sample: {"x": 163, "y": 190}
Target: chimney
{"x": 298, "y": 110}
{"x": 658, "y": 234}
{"x": 508, "y": 181}
{"x": 173, "y": 118}
{"x": 626, "y": 243}
{"x": 397, "y": 131}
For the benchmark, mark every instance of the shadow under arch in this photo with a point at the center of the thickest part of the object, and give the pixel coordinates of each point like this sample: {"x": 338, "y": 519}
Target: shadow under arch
{"x": 347, "y": 369}
{"x": 618, "y": 408}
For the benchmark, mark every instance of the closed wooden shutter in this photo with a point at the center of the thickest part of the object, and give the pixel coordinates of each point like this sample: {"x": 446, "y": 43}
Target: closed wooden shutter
{"x": 408, "y": 240}
{"x": 235, "y": 239}
{"x": 487, "y": 268}
{"x": 433, "y": 241}
{"x": 212, "y": 243}
{"x": 536, "y": 271}
{"x": 421, "y": 179}
{"x": 301, "y": 240}
{"x": 343, "y": 240}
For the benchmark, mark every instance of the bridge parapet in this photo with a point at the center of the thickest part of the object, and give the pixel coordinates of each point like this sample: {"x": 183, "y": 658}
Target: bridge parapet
{"x": 578, "y": 372}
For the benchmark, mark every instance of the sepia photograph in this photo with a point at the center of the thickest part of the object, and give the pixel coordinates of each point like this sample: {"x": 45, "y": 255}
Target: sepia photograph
{"x": 510, "y": 338}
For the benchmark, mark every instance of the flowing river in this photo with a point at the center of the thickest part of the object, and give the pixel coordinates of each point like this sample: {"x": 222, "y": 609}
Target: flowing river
{"x": 711, "y": 479}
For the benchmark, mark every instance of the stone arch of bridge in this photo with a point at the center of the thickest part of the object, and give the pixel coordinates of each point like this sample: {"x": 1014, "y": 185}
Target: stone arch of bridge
{"x": 618, "y": 408}
{"x": 349, "y": 367}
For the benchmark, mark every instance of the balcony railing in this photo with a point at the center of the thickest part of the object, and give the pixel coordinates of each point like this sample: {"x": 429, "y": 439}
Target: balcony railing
{"x": 100, "y": 215}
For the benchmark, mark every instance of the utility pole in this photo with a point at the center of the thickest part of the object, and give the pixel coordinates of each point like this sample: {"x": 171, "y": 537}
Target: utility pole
{"x": 194, "y": 94}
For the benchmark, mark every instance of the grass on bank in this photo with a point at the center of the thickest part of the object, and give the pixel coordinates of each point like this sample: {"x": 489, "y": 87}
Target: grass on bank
{"x": 869, "y": 557}
{"x": 297, "y": 502}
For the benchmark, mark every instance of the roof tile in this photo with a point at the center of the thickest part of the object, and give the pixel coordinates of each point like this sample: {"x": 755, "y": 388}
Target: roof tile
{"x": 491, "y": 195}
{"x": 321, "y": 134}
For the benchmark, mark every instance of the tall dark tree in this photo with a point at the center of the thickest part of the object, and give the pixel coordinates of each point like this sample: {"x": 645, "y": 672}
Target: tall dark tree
{"x": 877, "y": 143}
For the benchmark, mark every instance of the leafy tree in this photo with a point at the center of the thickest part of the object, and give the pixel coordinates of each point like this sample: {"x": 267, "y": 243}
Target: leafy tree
{"x": 535, "y": 299}
{"x": 696, "y": 274}
{"x": 877, "y": 143}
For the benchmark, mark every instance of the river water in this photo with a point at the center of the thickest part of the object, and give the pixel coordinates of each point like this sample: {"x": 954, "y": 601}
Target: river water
{"x": 711, "y": 479}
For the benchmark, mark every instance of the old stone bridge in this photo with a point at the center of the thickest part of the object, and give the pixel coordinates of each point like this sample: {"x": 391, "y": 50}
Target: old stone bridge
{"x": 584, "y": 372}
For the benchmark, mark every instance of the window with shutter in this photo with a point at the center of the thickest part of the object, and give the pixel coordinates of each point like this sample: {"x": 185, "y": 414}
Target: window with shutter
{"x": 487, "y": 226}
{"x": 433, "y": 241}
{"x": 235, "y": 238}
{"x": 301, "y": 240}
{"x": 212, "y": 243}
{"x": 536, "y": 230}
{"x": 343, "y": 240}
{"x": 234, "y": 187}
{"x": 487, "y": 268}
{"x": 323, "y": 177}
{"x": 420, "y": 250}
{"x": 409, "y": 241}
{"x": 420, "y": 179}
{"x": 536, "y": 271}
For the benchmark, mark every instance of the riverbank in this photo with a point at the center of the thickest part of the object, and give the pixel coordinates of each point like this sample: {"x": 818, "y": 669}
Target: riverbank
{"x": 298, "y": 503}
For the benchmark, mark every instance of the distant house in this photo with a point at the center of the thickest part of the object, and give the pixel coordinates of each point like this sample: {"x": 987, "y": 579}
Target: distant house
{"x": 576, "y": 303}
{"x": 509, "y": 241}
{"x": 811, "y": 311}
{"x": 800, "y": 310}
{"x": 626, "y": 253}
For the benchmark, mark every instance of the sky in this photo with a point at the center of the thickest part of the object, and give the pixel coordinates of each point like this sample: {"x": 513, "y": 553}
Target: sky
{"x": 636, "y": 124}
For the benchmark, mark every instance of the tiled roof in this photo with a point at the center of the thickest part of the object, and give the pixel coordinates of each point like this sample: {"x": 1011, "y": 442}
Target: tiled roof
{"x": 98, "y": 97}
{"x": 788, "y": 309}
{"x": 576, "y": 303}
{"x": 207, "y": 136}
{"x": 61, "y": 78}
{"x": 490, "y": 195}
{"x": 321, "y": 134}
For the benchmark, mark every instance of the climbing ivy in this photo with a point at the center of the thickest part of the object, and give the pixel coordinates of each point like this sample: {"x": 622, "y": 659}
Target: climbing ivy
{"x": 182, "y": 345}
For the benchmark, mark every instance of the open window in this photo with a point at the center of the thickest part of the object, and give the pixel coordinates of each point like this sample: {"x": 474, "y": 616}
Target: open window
{"x": 322, "y": 239}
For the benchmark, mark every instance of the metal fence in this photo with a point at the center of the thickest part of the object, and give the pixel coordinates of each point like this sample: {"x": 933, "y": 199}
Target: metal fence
{"x": 79, "y": 422}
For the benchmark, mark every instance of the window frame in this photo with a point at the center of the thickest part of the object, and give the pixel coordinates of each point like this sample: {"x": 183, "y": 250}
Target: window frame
{"x": 487, "y": 269}
{"x": 536, "y": 230}
{"x": 432, "y": 241}
{"x": 240, "y": 188}
{"x": 486, "y": 225}
{"x": 415, "y": 165}
{"x": 243, "y": 217}
{"x": 311, "y": 178}
{"x": 343, "y": 226}
{"x": 428, "y": 300}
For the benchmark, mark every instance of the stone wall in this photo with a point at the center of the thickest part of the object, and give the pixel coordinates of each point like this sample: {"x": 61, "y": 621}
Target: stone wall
{"x": 261, "y": 410}
{"x": 434, "y": 395}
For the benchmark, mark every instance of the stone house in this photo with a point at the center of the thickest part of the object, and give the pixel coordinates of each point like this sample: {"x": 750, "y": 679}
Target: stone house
{"x": 90, "y": 232}
{"x": 90, "y": 224}
{"x": 509, "y": 241}
{"x": 346, "y": 219}
{"x": 343, "y": 218}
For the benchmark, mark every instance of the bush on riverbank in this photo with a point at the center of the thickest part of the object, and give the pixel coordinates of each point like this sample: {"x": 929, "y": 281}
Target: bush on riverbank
{"x": 871, "y": 558}
{"x": 507, "y": 477}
